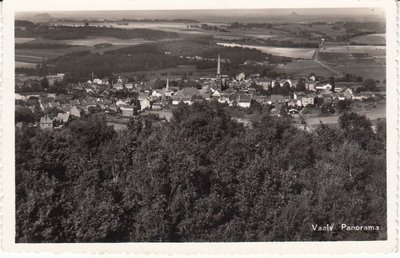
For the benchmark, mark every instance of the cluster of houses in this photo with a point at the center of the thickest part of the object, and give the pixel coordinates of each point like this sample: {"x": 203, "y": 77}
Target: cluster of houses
{"x": 94, "y": 96}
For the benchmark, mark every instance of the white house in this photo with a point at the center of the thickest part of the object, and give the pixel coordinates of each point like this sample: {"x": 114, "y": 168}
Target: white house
{"x": 240, "y": 76}
{"x": 145, "y": 103}
{"x": 244, "y": 100}
{"x": 127, "y": 111}
{"x": 324, "y": 87}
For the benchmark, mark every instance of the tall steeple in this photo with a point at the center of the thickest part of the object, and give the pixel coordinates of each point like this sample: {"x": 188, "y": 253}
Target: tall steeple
{"x": 167, "y": 86}
{"x": 219, "y": 66}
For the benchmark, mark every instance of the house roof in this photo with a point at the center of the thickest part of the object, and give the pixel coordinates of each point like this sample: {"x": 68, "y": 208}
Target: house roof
{"x": 190, "y": 91}
{"x": 66, "y": 107}
{"x": 46, "y": 120}
{"x": 277, "y": 97}
{"x": 244, "y": 98}
{"x": 63, "y": 117}
{"x": 142, "y": 95}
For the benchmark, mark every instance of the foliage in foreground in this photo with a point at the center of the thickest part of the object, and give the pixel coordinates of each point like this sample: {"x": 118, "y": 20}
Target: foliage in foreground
{"x": 201, "y": 177}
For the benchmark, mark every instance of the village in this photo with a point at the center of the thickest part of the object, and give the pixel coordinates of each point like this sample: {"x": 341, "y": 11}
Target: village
{"x": 122, "y": 100}
{"x": 253, "y": 123}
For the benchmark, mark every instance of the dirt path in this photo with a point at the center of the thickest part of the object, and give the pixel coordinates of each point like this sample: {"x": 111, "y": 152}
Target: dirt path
{"x": 315, "y": 58}
{"x": 339, "y": 74}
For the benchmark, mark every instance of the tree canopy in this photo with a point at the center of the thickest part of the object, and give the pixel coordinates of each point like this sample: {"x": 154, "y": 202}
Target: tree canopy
{"x": 200, "y": 177}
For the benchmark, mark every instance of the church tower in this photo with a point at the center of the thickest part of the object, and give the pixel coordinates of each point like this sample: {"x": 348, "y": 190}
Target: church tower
{"x": 219, "y": 67}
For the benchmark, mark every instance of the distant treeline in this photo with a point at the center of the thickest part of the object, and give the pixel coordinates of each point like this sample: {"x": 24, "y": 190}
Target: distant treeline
{"x": 81, "y": 64}
{"x": 131, "y": 20}
{"x": 158, "y": 20}
{"x": 276, "y": 43}
{"x": 238, "y": 25}
{"x": 352, "y": 29}
{"x": 80, "y": 32}
{"x": 238, "y": 55}
{"x": 348, "y": 36}
{"x": 29, "y": 45}
{"x": 352, "y": 26}
{"x": 23, "y": 23}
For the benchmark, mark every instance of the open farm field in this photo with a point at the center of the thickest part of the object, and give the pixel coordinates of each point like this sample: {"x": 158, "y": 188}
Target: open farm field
{"x": 372, "y": 114}
{"x": 104, "y": 40}
{"x": 316, "y": 30}
{"x": 185, "y": 47}
{"x": 371, "y": 39}
{"x": 297, "y": 39}
{"x": 313, "y": 122}
{"x": 38, "y": 55}
{"x": 303, "y": 68}
{"x": 370, "y": 50}
{"x": 173, "y": 72}
{"x": 24, "y": 64}
{"x": 260, "y": 32}
{"x": 177, "y": 27}
{"x": 23, "y": 40}
{"x": 303, "y": 53}
{"x": 376, "y": 72}
{"x": 89, "y": 41}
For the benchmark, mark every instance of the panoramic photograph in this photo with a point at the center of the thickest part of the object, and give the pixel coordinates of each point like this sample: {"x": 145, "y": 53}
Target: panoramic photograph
{"x": 239, "y": 125}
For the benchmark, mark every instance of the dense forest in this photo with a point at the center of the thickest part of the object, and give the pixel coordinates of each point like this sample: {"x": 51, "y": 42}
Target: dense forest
{"x": 81, "y": 32}
{"x": 138, "y": 58}
{"x": 142, "y": 57}
{"x": 200, "y": 177}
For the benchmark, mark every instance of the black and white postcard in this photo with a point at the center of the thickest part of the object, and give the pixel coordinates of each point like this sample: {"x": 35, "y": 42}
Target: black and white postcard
{"x": 209, "y": 127}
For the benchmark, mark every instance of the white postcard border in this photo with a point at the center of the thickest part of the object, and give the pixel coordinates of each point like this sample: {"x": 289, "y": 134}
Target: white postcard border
{"x": 8, "y": 137}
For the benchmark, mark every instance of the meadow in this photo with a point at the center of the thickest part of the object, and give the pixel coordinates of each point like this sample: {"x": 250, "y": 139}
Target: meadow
{"x": 376, "y": 72}
{"x": 370, "y": 50}
{"x": 371, "y": 39}
{"x": 303, "y": 53}
{"x": 316, "y": 30}
{"x": 297, "y": 69}
{"x": 173, "y": 73}
{"x": 195, "y": 41}
{"x": 373, "y": 114}
{"x": 94, "y": 45}
{"x": 24, "y": 64}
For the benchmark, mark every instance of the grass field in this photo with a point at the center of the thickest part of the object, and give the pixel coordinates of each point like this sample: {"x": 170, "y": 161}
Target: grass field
{"x": 174, "y": 72}
{"x": 376, "y": 72}
{"x": 303, "y": 68}
{"x": 371, "y": 50}
{"x": 316, "y": 30}
{"x": 101, "y": 40}
{"x": 304, "y": 53}
{"x": 185, "y": 47}
{"x": 372, "y": 114}
{"x": 23, "y": 40}
{"x": 371, "y": 39}
{"x": 25, "y": 64}
{"x": 38, "y": 55}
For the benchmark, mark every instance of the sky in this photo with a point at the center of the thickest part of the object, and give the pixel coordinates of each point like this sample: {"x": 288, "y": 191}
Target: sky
{"x": 240, "y": 15}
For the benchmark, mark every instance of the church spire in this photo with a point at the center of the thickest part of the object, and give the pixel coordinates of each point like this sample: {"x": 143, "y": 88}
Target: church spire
{"x": 219, "y": 66}
{"x": 167, "y": 86}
